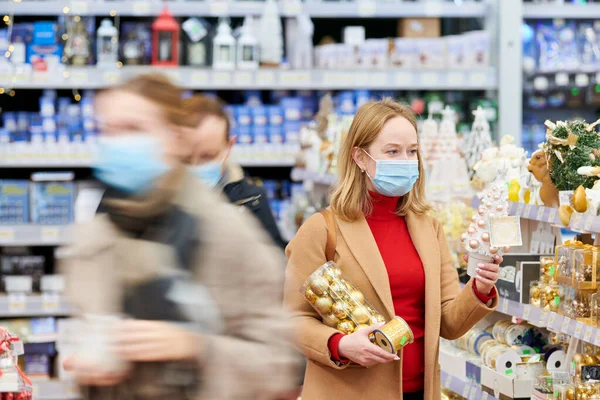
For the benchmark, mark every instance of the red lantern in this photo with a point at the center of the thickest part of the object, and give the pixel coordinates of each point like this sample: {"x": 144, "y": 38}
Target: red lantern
{"x": 165, "y": 40}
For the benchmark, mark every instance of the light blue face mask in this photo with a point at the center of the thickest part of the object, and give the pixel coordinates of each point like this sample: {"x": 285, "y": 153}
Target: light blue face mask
{"x": 394, "y": 178}
{"x": 209, "y": 173}
{"x": 130, "y": 163}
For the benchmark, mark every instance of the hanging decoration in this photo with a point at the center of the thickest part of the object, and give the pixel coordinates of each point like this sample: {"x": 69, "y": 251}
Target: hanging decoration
{"x": 165, "y": 40}
{"x": 478, "y": 140}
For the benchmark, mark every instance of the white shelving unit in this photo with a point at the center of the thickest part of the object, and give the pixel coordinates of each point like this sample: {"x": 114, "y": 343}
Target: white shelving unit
{"x": 35, "y": 306}
{"x": 34, "y": 235}
{"x": 562, "y": 11}
{"x": 184, "y": 8}
{"x": 468, "y": 390}
{"x": 208, "y": 79}
{"x": 73, "y": 163}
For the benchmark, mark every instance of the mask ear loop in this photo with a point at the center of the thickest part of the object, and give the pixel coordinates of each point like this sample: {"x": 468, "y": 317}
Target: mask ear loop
{"x": 362, "y": 170}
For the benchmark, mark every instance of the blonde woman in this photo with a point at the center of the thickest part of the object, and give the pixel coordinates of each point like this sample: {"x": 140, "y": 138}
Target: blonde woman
{"x": 396, "y": 254}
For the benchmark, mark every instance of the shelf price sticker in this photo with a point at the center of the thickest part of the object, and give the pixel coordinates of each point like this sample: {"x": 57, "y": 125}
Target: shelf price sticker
{"x": 466, "y": 390}
{"x": 219, "y": 7}
{"x": 403, "y": 79}
{"x": 577, "y": 221}
{"x": 111, "y": 77}
{"x": 504, "y": 305}
{"x": 79, "y": 76}
{"x": 457, "y": 79}
{"x": 478, "y": 79}
{"x": 448, "y": 381}
{"x": 244, "y": 79}
{"x": 292, "y": 7}
{"x": 265, "y": 78}
{"x": 519, "y": 212}
{"x": 561, "y": 79}
{"x": 430, "y": 79}
{"x": 199, "y": 78}
{"x": 174, "y": 76}
{"x": 540, "y": 214}
{"x": 221, "y": 79}
{"x": 50, "y": 235}
{"x": 17, "y": 302}
{"x": 527, "y": 210}
{"x": 579, "y": 329}
{"x": 433, "y": 9}
{"x": 7, "y": 235}
{"x": 296, "y": 78}
{"x": 50, "y": 301}
{"x": 79, "y": 7}
{"x": 140, "y": 8}
{"x": 597, "y": 338}
{"x": 589, "y": 221}
{"x": 526, "y": 312}
{"x": 589, "y": 331}
{"x": 551, "y": 319}
{"x": 565, "y": 325}
{"x": 552, "y": 216}
{"x": 367, "y": 8}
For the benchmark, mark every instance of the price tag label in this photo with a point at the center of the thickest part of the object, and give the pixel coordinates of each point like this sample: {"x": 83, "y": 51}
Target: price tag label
{"x": 448, "y": 381}
{"x": 430, "y": 79}
{"x": 589, "y": 221}
{"x": 292, "y": 7}
{"x": 561, "y": 79}
{"x": 579, "y": 329}
{"x": 552, "y": 216}
{"x": 403, "y": 79}
{"x": 379, "y": 79}
{"x": 78, "y": 76}
{"x": 140, "y": 8}
{"x": 219, "y": 7}
{"x": 582, "y": 80}
{"x": 478, "y": 79}
{"x": 520, "y": 208}
{"x": 221, "y": 79}
{"x": 111, "y": 77}
{"x": 50, "y": 235}
{"x": 527, "y": 210}
{"x": 526, "y": 312}
{"x": 199, "y": 78}
{"x": 296, "y": 78}
{"x": 433, "y": 9}
{"x": 50, "y": 301}
{"x": 367, "y": 8}
{"x": 565, "y": 325}
{"x": 174, "y": 76}
{"x": 505, "y": 306}
{"x": 17, "y": 302}
{"x": 466, "y": 390}
{"x": 543, "y": 317}
{"x": 589, "y": 331}
{"x": 72, "y": 389}
{"x": 79, "y": 7}
{"x": 576, "y": 221}
{"x": 7, "y": 235}
{"x": 540, "y": 214}
{"x": 457, "y": 79}
{"x": 243, "y": 79}
{"x": 265, "y": 78}
{"x": 597, "y": 338}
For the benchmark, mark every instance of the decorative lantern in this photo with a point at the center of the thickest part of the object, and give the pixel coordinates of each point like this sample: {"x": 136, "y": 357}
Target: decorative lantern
{"x": 247, "y": 47}
{"x": 198, "y": 42}
{"x": 107, "y": 42}
{"x": 224, "y": 47}
{"x": 165, "y": 40}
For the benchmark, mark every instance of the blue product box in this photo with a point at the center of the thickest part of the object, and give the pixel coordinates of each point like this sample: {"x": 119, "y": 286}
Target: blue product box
{"x": 362, "y": 97}
{"x": 36, "y": 128}
{"x": 63, "y": 105}
{"x": 44, "y": 33}
{"x": 43, "y": 326}
{"x": 47, "y": 108}
{"x": 276, "y": 134}
{"x": 346, "y": 103}
{"x": 50, "y": 93}
{"x": 275, "y": 115}
{"x": 259, "y": 116}
{"x": 49, "y": 127}
{"x": 4, "y": 136}
{"x": 243, "y": 116}
{"x": 23, "y": 121}
{"x": 278, "y": 95}
{"x": 9, "y": 119}
{"x": 52, "y": 203}
{"x": 14, "y": 202}
{"x": 44, "y": 57}
{"x": 245, "y": 135}
{"x": 275, "y": 209}
{"x": 292, "y": 132}
{"x": 309, "y": 108}
{"x": 292, "y": 108}
{"x": 286, "y": 189}
{"x": 252, "y": 98}
{"x": 37, "y": 365}
{"x": 260, "y": 135}
{"x": 40, "y": 348}
{"x": 87, "y": 107}
{"x": 22, "y": 32}
{"x": 270, "y": 187}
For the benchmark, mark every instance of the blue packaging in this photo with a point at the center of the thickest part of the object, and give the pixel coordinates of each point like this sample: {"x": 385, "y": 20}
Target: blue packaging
{"x": 37, "y": 366}
{"x": 43, "y": 326}
{"x": 4, "y": 136}
{"x": 276, "y": 134}
{"x": 275, "y": 114}
{"x": 270, "y": 187}
{"x": 9, "y": 119}
{"x": 244, "y": 135}
{"x": 260, "y": 135}
{"x": 63, "y": 105}
{"x": 286, "y": 189}
{"x": 252, "y": 98}
{"x": 52, "y": 203}
{"x": 48, "y": 349}
{"x": 14, "y": 202}
{"x": 36, "y": 128}
{"x": 22, "y": 32}
{"x": 589, "y": 43}
{"x": 243, "y": 116}
{"x": 309, "y": 108}
{"x": 43, "y": 57}
{"x": 362, "y": 97}
{"x": 292, "y": 108}
{"x": 89, "y": 125}
{"x": 44, "y": 33}
{"x": 557, "y": 44}
{"x": 63, "y": 135}
{"x": 529, "y": 48}
{"x": 22, "y": 121}
{"x": 292, "y": 132}
{"x": 275, "y": 206}
{"x": 50, "y": 129}
{"x": 278, "y": 95}
{"x": 259, "y": 116}
{"x": 87, "y": 107}
{"x": 346, "y": 103}
{"x": 50, "y": 93}
{"x": 47, "y": 108}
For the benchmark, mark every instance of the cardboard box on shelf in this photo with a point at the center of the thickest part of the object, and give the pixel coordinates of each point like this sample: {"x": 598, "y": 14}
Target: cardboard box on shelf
{"x": 419, "y": 27}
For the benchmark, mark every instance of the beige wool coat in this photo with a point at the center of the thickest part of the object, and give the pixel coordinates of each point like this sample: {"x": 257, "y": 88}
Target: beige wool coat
{"x": 449, "y": 311}
{"x": 252, "y": 357}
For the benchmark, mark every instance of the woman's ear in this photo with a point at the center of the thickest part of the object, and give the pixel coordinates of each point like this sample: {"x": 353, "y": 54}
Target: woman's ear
{"x": 359, "y": 157}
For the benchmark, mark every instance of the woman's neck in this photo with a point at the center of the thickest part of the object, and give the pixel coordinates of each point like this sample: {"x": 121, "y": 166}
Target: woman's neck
{"x": 384, "y": 208}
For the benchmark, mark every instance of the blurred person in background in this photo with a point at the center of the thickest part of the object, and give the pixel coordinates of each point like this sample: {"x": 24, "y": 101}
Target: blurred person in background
{"x": 196, "y": 283}
{"x": 210, "y": 162}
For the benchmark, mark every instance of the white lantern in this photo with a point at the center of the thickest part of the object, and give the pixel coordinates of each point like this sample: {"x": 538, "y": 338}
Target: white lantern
{"x": 107, "y": 44}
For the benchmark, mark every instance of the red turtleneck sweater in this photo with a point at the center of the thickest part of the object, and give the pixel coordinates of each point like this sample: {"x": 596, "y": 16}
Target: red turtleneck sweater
{"x": 407, "y": 284}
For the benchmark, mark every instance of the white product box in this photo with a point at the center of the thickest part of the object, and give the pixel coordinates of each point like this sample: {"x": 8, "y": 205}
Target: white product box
{"x": 405, "y": 53}
{"x": 499, "y": 385}
{"x": 456, "y": 47}
{"x": 431, "y": 53}
{"x": 477, "y": 54}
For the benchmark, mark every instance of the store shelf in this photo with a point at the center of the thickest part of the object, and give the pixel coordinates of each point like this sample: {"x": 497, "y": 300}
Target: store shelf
{"x": 273, "y": 79}
{"x": 185, "y": 8}
{"x": 55, "y": 390}
{"x": 275, "y": 163}
{"x": 34, "y": 306}
{"x": 468, "y": 390}
{"x": 564, "y": 11}
{"x": 300, "y": 174}
{"x": 33, "y": 235}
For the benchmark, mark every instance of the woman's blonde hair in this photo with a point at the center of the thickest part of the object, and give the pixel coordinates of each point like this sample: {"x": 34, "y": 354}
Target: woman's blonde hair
{"x": 351, "y": 200}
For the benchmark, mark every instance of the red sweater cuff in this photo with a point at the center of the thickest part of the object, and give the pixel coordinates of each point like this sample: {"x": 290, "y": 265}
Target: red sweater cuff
{"x": 334, "y": 347}
{"x": 484, "y": 298}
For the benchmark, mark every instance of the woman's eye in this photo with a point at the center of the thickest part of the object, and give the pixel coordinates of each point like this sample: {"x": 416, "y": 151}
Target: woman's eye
{"x": 392, "y": 152}
{"x": 413, "y": 152}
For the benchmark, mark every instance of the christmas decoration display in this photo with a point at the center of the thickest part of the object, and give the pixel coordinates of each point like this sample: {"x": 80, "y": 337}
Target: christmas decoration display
{"x": 428, "y": 133}
{"x": 247, "y": 46}
{"x": 198, "y": 42}
{"x": 342, "y": 306}
{"x": 448, "y": 177}
{"x": 224, "y": 47}
{"x": 107, "y": 43}
{"x": 455, "y": 218}
{"x": 78, "y": 44}
{"x": 478, "y": 237}
{"x": 270, "y": 35}
{"x": 299, "y": 36}
{"x": 543, "y": 189}
{"x": 165, "y": 40}
{"x": 508, "y": 156}
{"x": 478, "y": 140}
{"x": 14, "y": 384}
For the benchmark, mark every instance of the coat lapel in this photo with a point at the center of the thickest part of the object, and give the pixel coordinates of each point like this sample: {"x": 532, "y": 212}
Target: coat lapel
{"x": 362, "y": 244}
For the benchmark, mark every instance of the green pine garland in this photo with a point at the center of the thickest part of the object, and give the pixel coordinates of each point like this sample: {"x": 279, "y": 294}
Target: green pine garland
{"x": 564, "y": 174}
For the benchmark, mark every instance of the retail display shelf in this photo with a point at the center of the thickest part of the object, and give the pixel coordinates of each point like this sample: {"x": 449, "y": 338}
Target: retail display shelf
{"x": 87, "y": 163}
{"x": 55, "y": 390}
{"x": 12, "y": 306}
{"x": 33, "y": 235}
{"x": 468, "y": 390}
{"x": 268, "y": 79}
{"x": 184, "y": 8}
{"x": 578, "y": 223}
{"x": 566, "y": 11}
{"x": 274, "y": 162}
{"x": 300, "y": 174}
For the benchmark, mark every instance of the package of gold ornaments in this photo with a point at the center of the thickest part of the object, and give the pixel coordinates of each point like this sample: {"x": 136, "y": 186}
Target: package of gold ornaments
{"x": 343, "y": 307}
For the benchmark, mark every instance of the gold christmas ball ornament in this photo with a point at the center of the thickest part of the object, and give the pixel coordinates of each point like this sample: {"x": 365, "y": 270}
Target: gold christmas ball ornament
{"x": 535, "y": 292}
{"x": 357, "y": 296}
{"x": 319, "y": 285}
{"x": 338, "y": 288}
{"x": 310, "y": 296}
{"x": 360, "y": 315}
{"x": 570, "y": 393}
{"x": 580, "y": 200}
{"x": 340, "y": 309}
{"x": 332, "y": 274}
{"x": 377, "y": 318}
{"x": 323, "y": 304}
{"x": 485, "y": 237}
{"x": 346, "y": 327}
{"x": 330, "y": 320}
{"x": 474, "y": 244}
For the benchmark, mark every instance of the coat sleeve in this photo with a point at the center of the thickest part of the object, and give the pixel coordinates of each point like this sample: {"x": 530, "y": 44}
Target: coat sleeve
{"x": 461, "y": 309}
{"x": 306, "y": 253}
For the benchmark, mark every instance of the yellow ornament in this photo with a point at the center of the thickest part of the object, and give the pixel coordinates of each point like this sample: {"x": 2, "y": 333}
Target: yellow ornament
{"x": 340, "y": 309}
{"x": 377, "y": 318}
{"x": 338, "y": 289}
{"x": 310, "y": 296}
{"x": 323, "y": 304}
{"x": 535, "y": 293}
{"x": 332, "y": 274}
{"x": 513, "y": 190}
{"x": 360, "y": 315}
{"x": 346, "y": 327}
{"x": 330, "y": 320}
{"x": 565, "y": 212}
{"x": 319, "y": 285}
{"x": 580, "y": 200}
{"x": 357, "y": 296}
{"x": 570, "y": 393}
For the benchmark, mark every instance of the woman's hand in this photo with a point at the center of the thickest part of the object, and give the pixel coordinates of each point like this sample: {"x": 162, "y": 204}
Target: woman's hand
{"x": 148, "y": 341}
{"x": 487, "y": 275}
{"x": 358, "y": 348}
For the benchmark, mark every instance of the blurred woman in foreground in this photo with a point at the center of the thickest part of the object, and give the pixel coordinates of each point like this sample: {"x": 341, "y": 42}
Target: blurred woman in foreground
{"x": 197, "y": 283}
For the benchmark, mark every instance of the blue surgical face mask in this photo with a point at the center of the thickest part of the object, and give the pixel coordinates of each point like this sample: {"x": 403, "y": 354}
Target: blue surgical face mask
{"x": 130, "y": 163}
{"x": 209, "y": 173}
{"x": 394, "y": 178}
